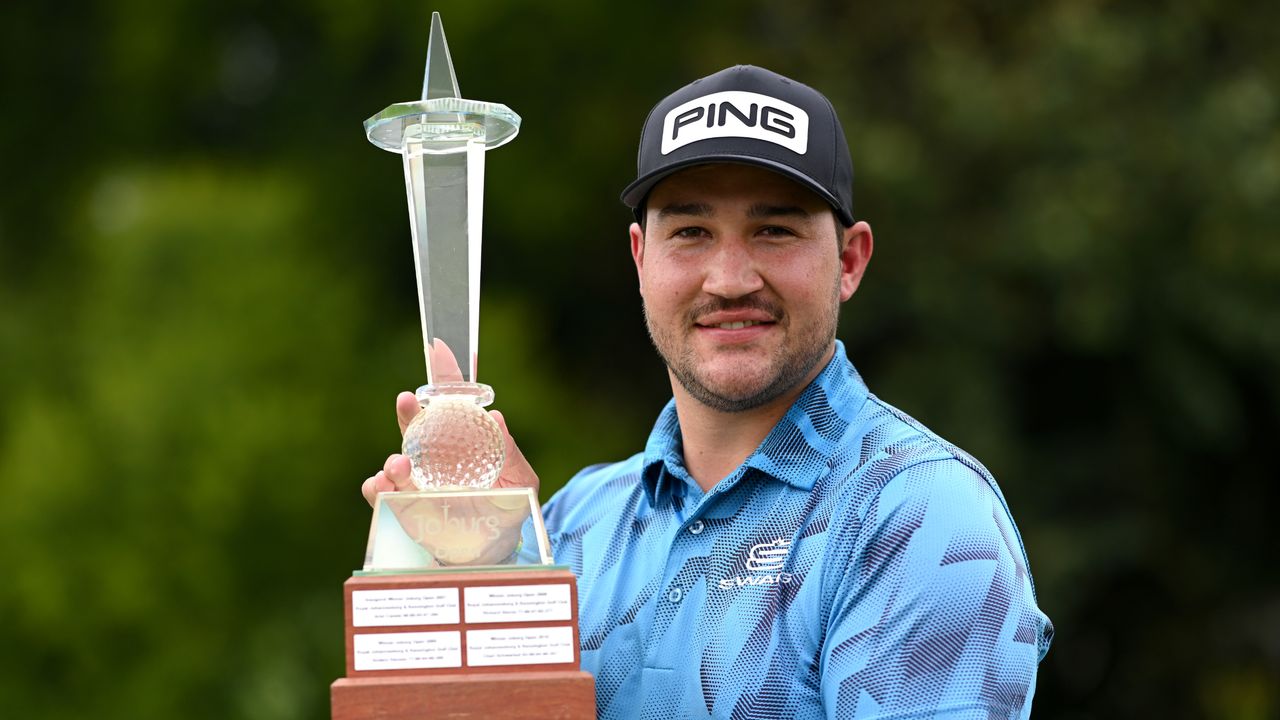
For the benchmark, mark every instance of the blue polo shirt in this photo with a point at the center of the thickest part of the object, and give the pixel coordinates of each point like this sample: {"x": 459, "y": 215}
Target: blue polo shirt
{"x": 855, "y": 566}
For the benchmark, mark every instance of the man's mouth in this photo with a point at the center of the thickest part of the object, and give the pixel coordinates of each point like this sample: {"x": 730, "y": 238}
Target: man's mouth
{"x": 740, "y": 315}
{"x": 737, "y": 325}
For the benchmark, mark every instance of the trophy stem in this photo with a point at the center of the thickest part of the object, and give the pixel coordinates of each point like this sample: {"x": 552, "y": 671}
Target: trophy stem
{"x": 446, "y": 199}
{"x": 475, "y": 225}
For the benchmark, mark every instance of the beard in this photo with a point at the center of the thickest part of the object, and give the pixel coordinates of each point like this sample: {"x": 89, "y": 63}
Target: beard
{"x": 786, "y": 366}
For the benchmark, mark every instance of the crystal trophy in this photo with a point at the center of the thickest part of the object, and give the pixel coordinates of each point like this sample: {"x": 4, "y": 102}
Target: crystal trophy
{"x": 443, "y": 140}
{"x": 459, "y": 610}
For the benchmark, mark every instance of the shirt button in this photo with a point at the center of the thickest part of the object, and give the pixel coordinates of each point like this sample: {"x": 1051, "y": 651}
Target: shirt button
{"x": 675, "y": 595}
{"x": 696, "y": 527}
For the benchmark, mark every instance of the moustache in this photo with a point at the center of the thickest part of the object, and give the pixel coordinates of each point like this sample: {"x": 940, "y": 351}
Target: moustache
{"x": 749, "y": 302}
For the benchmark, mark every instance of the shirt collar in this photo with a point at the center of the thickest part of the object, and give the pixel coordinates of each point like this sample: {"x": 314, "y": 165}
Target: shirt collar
{"x": 798, "y": 449}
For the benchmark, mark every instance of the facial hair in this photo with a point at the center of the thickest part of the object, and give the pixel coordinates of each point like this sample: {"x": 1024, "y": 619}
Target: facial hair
{"x": 790, "y": 364}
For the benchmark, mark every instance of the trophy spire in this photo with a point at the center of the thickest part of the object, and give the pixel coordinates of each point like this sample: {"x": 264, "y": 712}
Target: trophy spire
{"x": 442, "y": 139}
{"x": 439, "y": 80}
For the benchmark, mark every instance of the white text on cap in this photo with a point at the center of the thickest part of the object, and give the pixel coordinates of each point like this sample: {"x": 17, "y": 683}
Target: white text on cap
{"x": 736, "y": 113}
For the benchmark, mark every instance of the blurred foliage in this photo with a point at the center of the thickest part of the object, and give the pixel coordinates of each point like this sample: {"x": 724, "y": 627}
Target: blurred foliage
{"x": 206, "y": 309}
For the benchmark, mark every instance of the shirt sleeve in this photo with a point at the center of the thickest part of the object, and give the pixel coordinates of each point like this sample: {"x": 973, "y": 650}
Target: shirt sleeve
{"x": 934, "y": 614}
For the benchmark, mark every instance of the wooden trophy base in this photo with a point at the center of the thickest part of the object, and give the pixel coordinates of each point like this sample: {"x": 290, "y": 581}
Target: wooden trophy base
{"x": 469, "y": 644}
{"x": 556, "y": 695}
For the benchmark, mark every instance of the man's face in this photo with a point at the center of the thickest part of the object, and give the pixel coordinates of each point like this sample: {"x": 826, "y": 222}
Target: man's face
{"x": 742, "y": 274}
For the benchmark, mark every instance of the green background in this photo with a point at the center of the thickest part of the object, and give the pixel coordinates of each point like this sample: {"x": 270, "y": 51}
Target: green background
{"x": 207, "y": 307}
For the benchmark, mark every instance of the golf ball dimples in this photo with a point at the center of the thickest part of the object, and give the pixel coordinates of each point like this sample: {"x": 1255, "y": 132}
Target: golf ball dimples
{"x": 454, "y": 442}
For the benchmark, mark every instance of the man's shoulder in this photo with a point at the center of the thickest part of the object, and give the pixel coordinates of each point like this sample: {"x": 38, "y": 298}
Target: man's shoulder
{"x": 888, "y": 457}
{"x": 903, "y": 481}
{"x": 887, "y": 429}
{"x": 883, "y": 441}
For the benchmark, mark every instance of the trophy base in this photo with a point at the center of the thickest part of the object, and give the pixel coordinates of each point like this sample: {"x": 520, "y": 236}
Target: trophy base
{"x": 558, "y": 695}
{"x": 463, "y": 643}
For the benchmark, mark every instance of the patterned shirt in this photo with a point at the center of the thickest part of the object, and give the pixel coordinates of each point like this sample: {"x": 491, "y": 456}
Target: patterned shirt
{"x": 855, "y": 566}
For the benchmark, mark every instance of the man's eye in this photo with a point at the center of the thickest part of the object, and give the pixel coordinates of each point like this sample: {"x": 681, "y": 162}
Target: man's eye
{"x": 777, "y": 231}
{"x": 690, "y": 233}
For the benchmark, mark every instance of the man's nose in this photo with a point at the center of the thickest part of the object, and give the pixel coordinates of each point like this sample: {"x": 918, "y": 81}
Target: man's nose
{"x": 732, "y": 271}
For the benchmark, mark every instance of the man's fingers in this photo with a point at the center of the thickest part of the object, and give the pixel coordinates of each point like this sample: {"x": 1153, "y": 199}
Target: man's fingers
{"x": 377, "y": 484}
{"x": 397, "y": 470}
{"x": 512, "y": 448}
{"x": 406, "y": 409}
{"x": 516, "y": 471}
{"x": 393, "y": 477}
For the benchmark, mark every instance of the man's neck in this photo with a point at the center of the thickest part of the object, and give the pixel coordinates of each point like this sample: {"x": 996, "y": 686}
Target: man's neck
{"x": 717, "y": 442}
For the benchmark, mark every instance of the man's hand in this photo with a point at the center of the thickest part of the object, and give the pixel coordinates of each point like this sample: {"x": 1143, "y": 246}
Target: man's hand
{"x": 394, "y": 475}
{"x": 456, "y": 530}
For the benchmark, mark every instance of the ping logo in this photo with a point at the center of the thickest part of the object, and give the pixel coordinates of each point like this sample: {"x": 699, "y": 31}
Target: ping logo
{"x": 736, "y": 113}
{"x": 763, "y": 561}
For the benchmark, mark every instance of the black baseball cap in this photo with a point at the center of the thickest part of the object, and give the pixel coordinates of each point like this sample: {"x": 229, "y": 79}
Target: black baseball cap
{"x": 746, "y": 114}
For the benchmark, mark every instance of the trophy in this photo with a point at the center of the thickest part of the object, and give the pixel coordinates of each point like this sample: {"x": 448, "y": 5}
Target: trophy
{"x": 459, "y": 610}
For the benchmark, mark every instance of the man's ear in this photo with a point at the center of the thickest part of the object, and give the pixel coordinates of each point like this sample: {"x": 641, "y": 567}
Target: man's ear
{"x": 855, "y": 252}
{"x": 637, "y": 251}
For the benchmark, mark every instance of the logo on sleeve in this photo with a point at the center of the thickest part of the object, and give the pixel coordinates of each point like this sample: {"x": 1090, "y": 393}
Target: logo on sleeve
{"x": 736, "y": 113}
{"x": 764, "y": 561}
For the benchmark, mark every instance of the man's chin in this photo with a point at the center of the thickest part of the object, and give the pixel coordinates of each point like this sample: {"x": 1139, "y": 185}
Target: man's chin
{"x": 735, "y": 379}
{"x": 731, "y": 393}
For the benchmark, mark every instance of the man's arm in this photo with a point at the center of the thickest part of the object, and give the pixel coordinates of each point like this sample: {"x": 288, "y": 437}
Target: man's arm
{"x": 935, "y": 615}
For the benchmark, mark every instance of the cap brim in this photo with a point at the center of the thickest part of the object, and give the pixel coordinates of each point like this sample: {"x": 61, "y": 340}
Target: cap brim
{"x": 634, "y": 194}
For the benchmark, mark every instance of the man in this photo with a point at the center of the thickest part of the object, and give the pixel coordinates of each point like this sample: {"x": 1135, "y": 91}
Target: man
{"x": 787, "y": 545}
